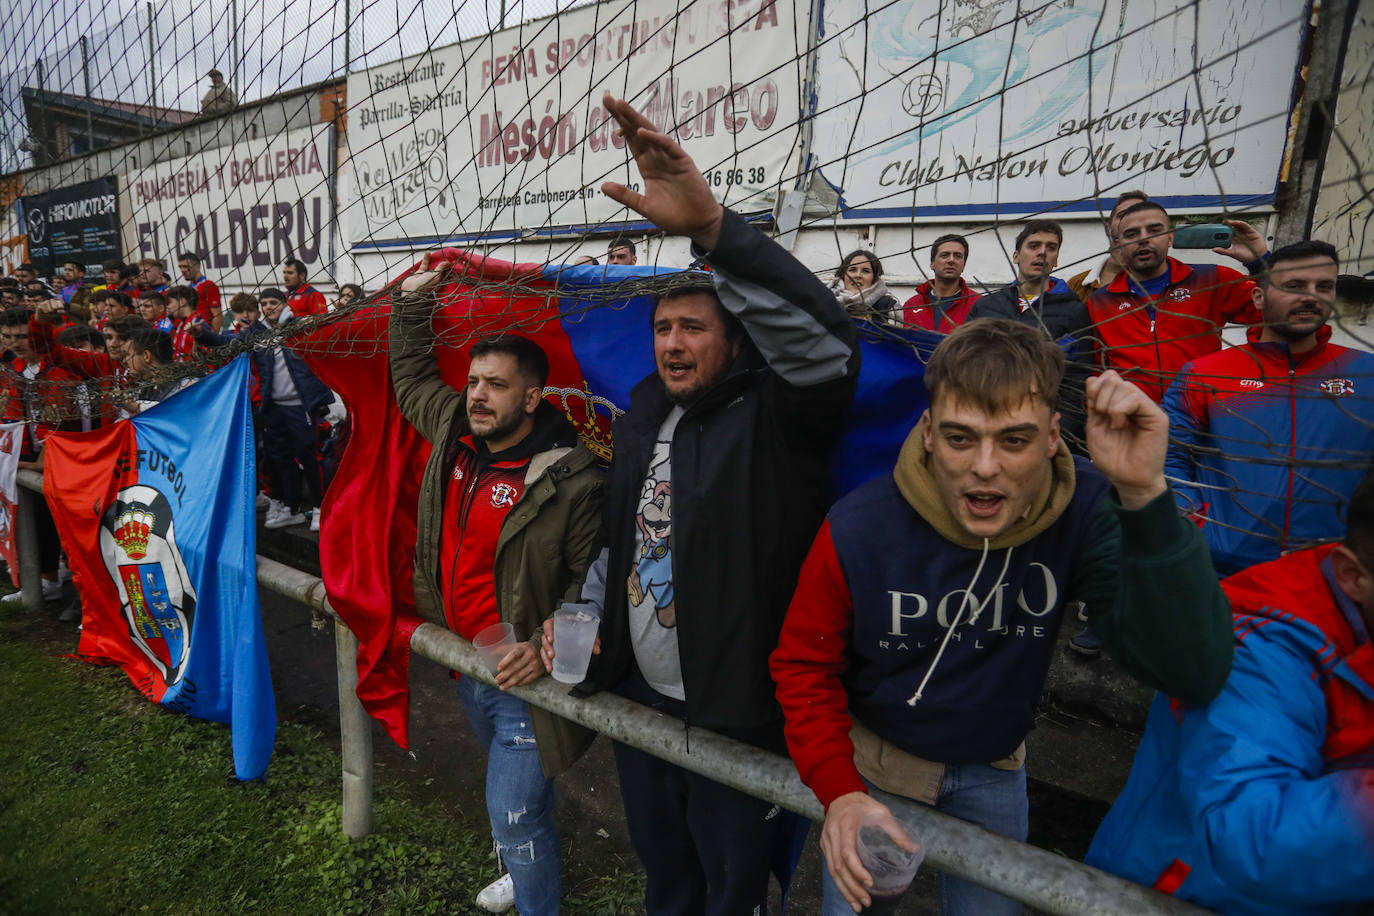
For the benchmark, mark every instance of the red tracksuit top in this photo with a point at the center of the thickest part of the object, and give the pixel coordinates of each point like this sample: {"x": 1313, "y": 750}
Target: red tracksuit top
{"x": 918, "y": 314}
{"x": 475, "y": 505}
{"x": 1189, "y": 315}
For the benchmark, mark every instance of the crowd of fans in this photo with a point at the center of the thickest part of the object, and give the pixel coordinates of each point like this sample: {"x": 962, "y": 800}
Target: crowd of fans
{"x": 1090, "y": 447}
{"x": 80, "y": 356}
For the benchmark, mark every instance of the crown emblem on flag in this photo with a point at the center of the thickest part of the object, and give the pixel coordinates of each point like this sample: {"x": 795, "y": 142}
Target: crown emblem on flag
{"x": 131, "y": 531}
{"x": 592, "y": 428}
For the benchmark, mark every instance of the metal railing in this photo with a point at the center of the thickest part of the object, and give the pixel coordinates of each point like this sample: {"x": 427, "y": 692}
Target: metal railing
{"x": 1044, "y": 880}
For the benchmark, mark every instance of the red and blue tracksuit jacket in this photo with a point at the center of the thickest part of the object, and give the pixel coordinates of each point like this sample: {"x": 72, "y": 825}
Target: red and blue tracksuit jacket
{"x": 305, "y": 301}
{"x": 1148, "y": 342}
{"x": 1262, "y": 801}
{"x": 1266, "y": 446}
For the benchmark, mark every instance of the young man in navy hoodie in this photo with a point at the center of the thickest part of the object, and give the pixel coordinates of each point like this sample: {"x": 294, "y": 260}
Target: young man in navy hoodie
{"x": 911, "y": 673}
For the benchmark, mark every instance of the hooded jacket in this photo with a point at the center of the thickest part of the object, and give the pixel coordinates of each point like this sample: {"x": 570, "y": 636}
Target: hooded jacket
{"x": 1267, "y": 445}
{"x": 751, "y": 483}
{"x": 1262, "y": 801}
{"x": 545, "y": 540}
{"x": 865, "y": 625}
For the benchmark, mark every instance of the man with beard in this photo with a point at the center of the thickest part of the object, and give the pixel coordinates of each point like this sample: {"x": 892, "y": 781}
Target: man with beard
{"x": 1270, "y": 439}
{"x": 509, "y": 507}
{"x": 720, "y": 478}
{"x": 1159, "y": 313}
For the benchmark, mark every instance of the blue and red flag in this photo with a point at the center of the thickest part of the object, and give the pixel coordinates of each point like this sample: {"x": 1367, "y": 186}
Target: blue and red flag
{"x": 599, "y": 344}
{"x": 156, "y": 515}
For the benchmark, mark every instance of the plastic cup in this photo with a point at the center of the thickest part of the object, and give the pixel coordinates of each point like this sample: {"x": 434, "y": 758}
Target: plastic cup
{"x": 495, "y": 642}
{"x": 574, "y": 634}
{"x": 891, "y": 866}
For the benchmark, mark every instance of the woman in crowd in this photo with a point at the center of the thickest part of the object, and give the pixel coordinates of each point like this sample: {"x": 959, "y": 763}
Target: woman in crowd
{"x": 349, "y": 292}
{"x": 859, "y": 286}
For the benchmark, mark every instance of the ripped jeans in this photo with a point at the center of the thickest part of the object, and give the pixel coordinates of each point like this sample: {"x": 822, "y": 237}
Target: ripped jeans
{"x": 520, "y": 800}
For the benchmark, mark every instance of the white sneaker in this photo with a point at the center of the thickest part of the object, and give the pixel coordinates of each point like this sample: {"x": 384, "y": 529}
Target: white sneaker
{"x": 262, "y": 502}
{"x": 315, "y": 520}
{"x": 274, "y": 508}
{"x": 52, "y": 590}
{"x": 13, "y": 598}
{"x": 498, "y": 896}
{"x": 286, "y": 519}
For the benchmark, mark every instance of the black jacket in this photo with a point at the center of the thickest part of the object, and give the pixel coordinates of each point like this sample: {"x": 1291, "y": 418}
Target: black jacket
{"x": 751, "y": 484}
{"x": 1060, "y": 313}
{"x": 314, "y": 394}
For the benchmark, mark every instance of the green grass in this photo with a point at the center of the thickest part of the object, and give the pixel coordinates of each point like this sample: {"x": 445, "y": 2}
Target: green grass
{"x": 111, "y": 804}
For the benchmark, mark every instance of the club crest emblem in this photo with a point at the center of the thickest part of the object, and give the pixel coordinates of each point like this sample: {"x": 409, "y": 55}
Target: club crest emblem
{"x": 503, "y": 495}
{"x": 138, "y": 544}
{"x": 1338, "y": 387}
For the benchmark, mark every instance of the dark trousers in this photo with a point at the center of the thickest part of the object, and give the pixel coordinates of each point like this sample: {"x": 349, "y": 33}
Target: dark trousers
{"x": 705, "y": 848}
{"x": 293, "y": 463}
{"x": 49, "y": 547}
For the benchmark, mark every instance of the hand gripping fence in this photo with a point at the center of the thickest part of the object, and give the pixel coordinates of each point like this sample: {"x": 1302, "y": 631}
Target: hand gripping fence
{"x": 1048, "y": 882}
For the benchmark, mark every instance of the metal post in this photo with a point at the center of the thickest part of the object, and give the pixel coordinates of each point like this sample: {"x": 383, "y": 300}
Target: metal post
{"x": 86, "y": 78}
{"x": 26, "y": 542}
{"x": 152, "y": 74}
{"x": 355, "y": 738}
{"x": 1316, "y": 117}
{"x": 234, "y": 44}
{"x": 348, "y": 34}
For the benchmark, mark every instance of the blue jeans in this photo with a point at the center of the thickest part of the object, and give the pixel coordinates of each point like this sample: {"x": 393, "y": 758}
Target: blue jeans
{"x": 520, "y": 800}
{"x": 974, "y": 792}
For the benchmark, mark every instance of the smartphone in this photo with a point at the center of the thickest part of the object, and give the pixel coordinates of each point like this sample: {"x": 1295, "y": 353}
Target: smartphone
{"x": 1207, "y": 235}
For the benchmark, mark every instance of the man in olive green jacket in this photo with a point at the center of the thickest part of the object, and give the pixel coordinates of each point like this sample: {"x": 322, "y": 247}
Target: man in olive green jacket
{"x": 509, "y": 506}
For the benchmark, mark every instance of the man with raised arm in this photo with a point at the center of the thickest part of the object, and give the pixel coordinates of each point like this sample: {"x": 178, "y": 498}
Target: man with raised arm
{"x": 1159, "y": 313}
{"x": 509, "y": 508}
{"x": 909, "y": 670}
{"x": 720, "y": 478}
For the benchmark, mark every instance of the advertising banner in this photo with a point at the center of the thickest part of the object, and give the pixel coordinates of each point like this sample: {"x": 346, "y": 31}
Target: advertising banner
{"x": 242, "y": 209}
{"x": 989, "y": 110}
{"x": 505, "y": 134}
{"x": 80, "y": 222}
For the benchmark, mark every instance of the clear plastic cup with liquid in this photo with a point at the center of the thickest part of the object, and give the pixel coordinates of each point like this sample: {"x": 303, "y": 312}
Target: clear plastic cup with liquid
{"x": 574, "y": 635}
{"x": 495, "y": 643}
{"x": 891, "y": 866}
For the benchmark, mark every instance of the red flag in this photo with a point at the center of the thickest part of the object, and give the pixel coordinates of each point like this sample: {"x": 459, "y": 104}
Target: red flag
{"x": 367, "y": 539}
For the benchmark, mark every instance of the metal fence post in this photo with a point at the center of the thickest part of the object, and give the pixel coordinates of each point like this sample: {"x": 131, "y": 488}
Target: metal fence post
{"x": 355, "y": 738}
{"x": 26, "y": 542}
